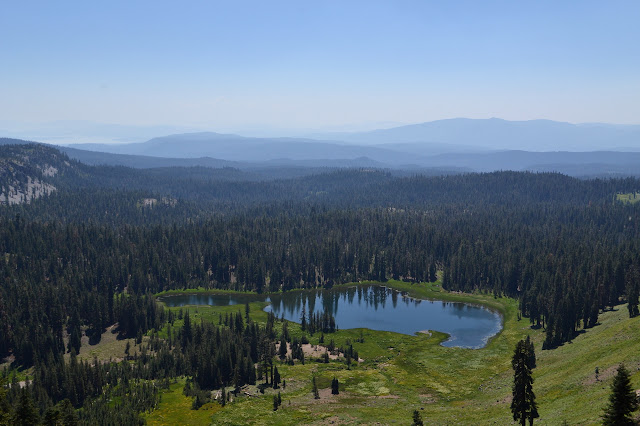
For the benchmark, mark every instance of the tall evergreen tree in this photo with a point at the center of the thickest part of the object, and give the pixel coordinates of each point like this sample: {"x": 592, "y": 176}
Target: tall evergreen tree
{"x": 186, "y": 330}
{"x": 523, "y": 404}
{"x": 282, "y": 349}
{"x": 622, "y": 401}
{"x": 51, "y": 416}
{"x": 68, "y": 413}
{"x": 75, "y": 335}
{"x": 632, "y": 300}
{"x": 314, "y": 386}
{"x": 335, "y": 387}
{"x": 531, "y": 354}
{"x": 25, "y": 412}
{"x": 276, "y": 378}
{"x": 4, "y": 404}
{"x": 417, "y": 418}
{"x": 303, "y": 319}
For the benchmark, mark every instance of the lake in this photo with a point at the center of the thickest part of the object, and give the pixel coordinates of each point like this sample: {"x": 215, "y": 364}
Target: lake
{"x": 370, "y": 306}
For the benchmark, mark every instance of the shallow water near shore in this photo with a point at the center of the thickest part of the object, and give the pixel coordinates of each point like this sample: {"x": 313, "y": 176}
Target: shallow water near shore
{"x": 370, "y": 306}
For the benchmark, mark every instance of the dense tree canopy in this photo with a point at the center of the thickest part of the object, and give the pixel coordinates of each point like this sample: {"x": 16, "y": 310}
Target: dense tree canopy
{"x": 94, "y": 252}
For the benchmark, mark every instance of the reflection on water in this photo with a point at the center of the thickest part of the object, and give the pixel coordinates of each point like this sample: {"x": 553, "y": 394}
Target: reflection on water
{"x": 371, "y": 306}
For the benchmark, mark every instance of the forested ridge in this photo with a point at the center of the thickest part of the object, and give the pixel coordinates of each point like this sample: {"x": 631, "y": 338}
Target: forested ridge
{"x": 92, "y": 254}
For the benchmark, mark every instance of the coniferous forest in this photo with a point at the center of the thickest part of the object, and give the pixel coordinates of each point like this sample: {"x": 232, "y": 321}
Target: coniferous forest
{"x": 92, "y": 254}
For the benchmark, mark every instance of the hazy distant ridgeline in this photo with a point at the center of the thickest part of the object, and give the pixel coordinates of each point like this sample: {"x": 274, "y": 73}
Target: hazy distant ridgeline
{"x": 494, "y": 133}
{"x": 455, "y": 145}
{"x": 445, "y": 146}
{"x": 117, "y": 195}
{"x": 454, "y": 135}
{"x": 256, "y": 150}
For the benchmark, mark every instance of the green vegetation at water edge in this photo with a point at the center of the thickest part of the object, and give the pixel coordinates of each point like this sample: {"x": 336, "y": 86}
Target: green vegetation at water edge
{"x": 400, "y": 373}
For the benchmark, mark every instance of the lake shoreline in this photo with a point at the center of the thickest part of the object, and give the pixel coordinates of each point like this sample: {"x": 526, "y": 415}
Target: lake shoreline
{"x": 467, "y": 321}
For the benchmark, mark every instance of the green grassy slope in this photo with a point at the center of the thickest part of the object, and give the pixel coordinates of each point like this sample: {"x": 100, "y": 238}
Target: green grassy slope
{"x": 448, "y": 385}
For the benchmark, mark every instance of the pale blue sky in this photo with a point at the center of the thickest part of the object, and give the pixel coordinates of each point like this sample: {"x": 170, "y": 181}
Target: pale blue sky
{"x": 318, "y": 65}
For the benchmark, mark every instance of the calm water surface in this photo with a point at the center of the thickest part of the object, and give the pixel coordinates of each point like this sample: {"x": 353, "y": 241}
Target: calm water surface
{"x": 373, "y": 307}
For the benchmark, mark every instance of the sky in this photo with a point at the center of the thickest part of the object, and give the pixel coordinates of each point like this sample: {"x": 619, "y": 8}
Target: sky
{"x": 318, "y": 65}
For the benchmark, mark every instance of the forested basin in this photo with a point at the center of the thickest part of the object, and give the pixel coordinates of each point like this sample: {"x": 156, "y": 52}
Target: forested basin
{"x": 374, "y": 307}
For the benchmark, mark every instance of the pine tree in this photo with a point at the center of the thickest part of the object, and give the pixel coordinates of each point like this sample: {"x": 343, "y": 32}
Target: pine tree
{"x": 223, "y": 396}
{"x": 51, "y": 416}
{"x": 316, "y": 394}
{"x": 432, "y": 273}
{"x": 303, "y": 319}
{"x": 282, "y": 350}
{"x": 26, "y": 412}
{"x": 335, "y": 387}
{"x": 523, "y": 404}
{"x": 186, "y": 330}
{"x": 75, "y": 334}
{"x": 276, "y": 378}
{"x": 632, "y": 299}
{"x": 622, "y": 401}
{"x": 531, "y": 355}
{"x": 417, "y": 418}
{"x": 4, "y": 404}
{"x": 196, "y": 404}
{"x": 68, "y": 413}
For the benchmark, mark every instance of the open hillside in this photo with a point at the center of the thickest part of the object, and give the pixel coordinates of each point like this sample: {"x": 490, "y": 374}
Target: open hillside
{"x": 28, "y": 172}
{"x": 400, "y": 374}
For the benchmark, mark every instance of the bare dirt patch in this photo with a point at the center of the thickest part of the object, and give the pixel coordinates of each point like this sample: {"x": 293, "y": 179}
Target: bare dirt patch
{"x": 335, "y": 420}
{"x": 427, "y": 398}
{"x": 385, "y": 396}
{"x": 504, "y": 401}
{"x": 315, "y": 351}
{"x": 326, "y": 397}
{"x": 604, "y": 375}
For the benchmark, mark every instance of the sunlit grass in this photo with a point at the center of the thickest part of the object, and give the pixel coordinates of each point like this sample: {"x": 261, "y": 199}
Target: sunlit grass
{"x": 402, "y": 373}
{"x": 631, "y": 197}
{"x": 175, "y": 409}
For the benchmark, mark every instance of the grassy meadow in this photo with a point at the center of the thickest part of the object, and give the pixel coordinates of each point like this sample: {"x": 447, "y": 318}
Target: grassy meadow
{"x": 630, "y": 197}
{"x": 401, "y": 373}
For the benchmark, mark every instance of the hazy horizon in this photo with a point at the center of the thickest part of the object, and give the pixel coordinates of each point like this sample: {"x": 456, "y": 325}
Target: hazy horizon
{"x": 289, "y": 68}
{"x": 80, "y": 132}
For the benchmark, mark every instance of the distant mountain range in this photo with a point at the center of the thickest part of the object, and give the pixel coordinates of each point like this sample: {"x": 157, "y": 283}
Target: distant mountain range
{"x": 247, "y": 149}
{"x": 456, "y": 145}
{"x": 397, "y": 146}
{"x": 497, "y": 134}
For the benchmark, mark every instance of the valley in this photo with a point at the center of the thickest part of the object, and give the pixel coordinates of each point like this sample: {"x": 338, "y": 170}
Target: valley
{"x": 319, "y": 213}
{"x": 386, "y": 387}
{"x": 176, "y": 295}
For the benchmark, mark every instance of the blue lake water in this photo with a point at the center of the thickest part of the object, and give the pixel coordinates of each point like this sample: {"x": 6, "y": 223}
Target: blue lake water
{"x": 371, "y": 306}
